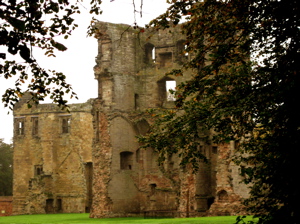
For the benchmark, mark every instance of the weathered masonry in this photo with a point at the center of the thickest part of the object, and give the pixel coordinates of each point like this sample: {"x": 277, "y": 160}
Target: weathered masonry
{"x": 131, "y": 72}
{"x": 5, "y": 205}
{"x": 52, "y": 159}
{"x": 90, "y": 159}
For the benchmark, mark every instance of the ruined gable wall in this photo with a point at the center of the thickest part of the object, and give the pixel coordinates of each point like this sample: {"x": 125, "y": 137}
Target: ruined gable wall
{"x": 49, "y": 165}
{"x": 124, "y": 93}
{"x": 131, "y": 81}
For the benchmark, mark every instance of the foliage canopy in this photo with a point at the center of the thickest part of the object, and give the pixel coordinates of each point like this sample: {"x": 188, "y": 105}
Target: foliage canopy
{"x": 26, "y": 25}
{"x": 245, "y": 58}
{"x": 6, "y": 169}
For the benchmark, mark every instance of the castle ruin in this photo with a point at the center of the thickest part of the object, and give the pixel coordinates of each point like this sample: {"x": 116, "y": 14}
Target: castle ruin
{"x": 89, "y": 160}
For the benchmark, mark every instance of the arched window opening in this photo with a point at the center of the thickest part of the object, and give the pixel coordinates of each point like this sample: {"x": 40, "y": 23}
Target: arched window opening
{"x": 223, "y": 196}
{"x": 49, "y": 206}
{"x": 126, "y": 160}
{"x": 38, "y": 170}
{"x": 152, "y": 189}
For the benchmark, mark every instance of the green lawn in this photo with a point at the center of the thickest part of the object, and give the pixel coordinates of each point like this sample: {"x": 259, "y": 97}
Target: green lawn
{"x": 84, "y": 218}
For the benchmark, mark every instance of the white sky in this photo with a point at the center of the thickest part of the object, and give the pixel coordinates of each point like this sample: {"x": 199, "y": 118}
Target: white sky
{"x": 78, "y": 61}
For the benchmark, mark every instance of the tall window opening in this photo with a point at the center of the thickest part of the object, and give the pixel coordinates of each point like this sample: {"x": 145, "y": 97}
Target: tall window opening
{"x": 137, "y": 155}
{"x": 136, "y": 102}
{"x": 66, "y": 125}
{"x": 153, "y": 54}
{"x": 38, "y": 170}
{"x": 126, "y": 160}
{"x": 20, "y": 126}
{"x": 59, "y": 205}
{"x": 181, "y": 54}
{"x": 35, "y": 125}
{"x": 149, "y": 53}
{"x": 97, "y": 123}
{"x": 170, "y": 86}
{"x": 89, "y": 185}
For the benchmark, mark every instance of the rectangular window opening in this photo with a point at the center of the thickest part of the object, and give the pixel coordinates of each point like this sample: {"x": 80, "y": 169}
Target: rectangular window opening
{"x": 38, "y": 170}
{"x": 20, "y": 126}
{"x": 66, "y": 125}
{"x": 35, "y": 125}
{"x": 170, "y": 86}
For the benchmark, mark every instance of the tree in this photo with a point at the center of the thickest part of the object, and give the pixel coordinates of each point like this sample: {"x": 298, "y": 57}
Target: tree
{"x": 26, "y": 25}
{"x": 6, "y": 169}
{"x": 244, "y": 89}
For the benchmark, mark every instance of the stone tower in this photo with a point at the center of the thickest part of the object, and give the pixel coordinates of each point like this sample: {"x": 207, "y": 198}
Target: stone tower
{"x": 131, "y": 70}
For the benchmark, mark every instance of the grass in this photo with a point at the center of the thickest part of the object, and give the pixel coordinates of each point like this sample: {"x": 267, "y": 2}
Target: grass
{"x": 83, "y": 218}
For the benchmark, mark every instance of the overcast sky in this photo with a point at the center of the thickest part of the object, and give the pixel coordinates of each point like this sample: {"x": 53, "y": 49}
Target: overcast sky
{"x": 78, "y": 61}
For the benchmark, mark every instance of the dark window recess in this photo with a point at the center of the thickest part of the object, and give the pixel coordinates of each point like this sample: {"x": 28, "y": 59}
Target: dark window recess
{"x": 38, "y": 170}
{"x": 66, "y": 125}
{"x": 165, "y": 59}
{"x": 126, "y": 160}
{"x": 49, "y": 206}
{"x": 215, "y": 149}
{"x": 89, "y": 185}
{"x": 35, "y": 125}
{"x": 181, "y": 56}
{"x": 210, "y": 201}
{"x": 152, "y": 189}
{"x": 136, "y": 102}
{"x": 137, "y": 155}
{"x": 223, "y": 196}
{"x": 29, "y": 184}
{"x": 59, "y": 205}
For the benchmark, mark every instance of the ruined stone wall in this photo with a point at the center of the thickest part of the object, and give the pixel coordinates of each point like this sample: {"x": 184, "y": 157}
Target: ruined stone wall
{"x": 52, "y": 155}
{"x": 131, "y": 70}
{"x": 130, "y": 81}
{"x": 90, "y": 157}
{"x": 229, "y": 190}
